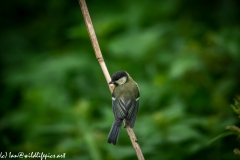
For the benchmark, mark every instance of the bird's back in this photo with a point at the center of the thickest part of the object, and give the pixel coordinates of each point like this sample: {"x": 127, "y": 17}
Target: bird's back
{"x": 127, "y": 91}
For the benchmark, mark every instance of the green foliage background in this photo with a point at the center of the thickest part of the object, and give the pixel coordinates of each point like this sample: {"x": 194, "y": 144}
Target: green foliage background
{"x": 185, "y": 56}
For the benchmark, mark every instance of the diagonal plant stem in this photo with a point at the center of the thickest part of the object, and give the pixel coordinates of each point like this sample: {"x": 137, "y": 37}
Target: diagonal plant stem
{"x": 100, "y": 59}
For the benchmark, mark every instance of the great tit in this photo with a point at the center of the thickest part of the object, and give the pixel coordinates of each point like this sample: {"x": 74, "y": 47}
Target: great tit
{"x": 125, "y": 102}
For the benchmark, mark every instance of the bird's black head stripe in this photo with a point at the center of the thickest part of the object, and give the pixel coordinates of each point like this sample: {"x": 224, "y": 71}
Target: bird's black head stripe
{"x": 116, "y": 76}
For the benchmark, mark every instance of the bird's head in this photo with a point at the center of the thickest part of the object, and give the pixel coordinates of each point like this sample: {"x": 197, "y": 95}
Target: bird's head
{"x": 119, "y": 78}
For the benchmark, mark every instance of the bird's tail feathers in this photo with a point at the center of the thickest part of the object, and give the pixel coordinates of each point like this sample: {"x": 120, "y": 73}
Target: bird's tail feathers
{"x": 114, "y": 133}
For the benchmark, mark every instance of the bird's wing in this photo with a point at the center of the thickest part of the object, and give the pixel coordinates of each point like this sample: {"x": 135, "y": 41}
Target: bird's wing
{"x": 132, "y": 113}
{"x": 119, "y": 108}
{"x": 125, "y": 110}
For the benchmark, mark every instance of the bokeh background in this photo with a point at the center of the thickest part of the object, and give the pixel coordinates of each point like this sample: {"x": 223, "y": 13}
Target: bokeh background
{"x": 184, "y": 54}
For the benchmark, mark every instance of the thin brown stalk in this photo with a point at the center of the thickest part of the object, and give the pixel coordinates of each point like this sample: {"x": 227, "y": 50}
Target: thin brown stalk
{"x": 100, "y": 59}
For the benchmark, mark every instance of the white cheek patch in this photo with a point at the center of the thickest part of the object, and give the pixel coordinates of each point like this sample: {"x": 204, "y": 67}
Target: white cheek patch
{"x": 121, "y": 81}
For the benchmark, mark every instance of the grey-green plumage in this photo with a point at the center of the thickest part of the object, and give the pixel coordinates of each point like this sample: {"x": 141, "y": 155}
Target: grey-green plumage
{"x": 125, "y": 102}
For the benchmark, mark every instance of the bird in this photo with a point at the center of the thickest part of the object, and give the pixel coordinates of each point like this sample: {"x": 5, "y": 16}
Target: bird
{"x": 125, "y": 102}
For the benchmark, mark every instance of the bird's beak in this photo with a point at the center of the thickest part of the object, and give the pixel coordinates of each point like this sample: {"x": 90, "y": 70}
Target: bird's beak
{"x": 111, "y": 82}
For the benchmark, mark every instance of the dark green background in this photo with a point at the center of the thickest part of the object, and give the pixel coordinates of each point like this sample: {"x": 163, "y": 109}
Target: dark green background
{"x": 184, "y": 54}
